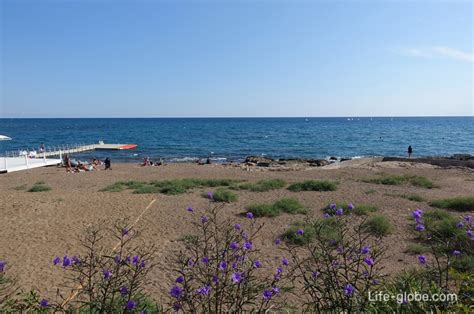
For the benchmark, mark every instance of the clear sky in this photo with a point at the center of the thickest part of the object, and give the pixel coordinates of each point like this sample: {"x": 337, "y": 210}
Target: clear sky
{"x": 112, "y": 58}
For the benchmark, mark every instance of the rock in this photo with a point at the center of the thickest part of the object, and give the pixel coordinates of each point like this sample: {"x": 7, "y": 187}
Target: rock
{"x": 332, "y": 158}
{"x": 257, "y": 159}
{"x": 345, "y": 159}
{"x": 462, "y": 157}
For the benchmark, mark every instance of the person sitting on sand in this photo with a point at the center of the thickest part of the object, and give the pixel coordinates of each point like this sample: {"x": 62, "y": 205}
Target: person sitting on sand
{"x": 67, "y": 163}
{"x": 410, "y": 151}
{"x": 107, "y": 163}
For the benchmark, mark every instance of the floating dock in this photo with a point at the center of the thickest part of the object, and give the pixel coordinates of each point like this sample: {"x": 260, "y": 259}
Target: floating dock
{"x": 30, "y": 160}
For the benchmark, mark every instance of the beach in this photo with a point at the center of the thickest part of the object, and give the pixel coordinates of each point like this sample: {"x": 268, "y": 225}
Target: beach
{"x": 36, "y": 227}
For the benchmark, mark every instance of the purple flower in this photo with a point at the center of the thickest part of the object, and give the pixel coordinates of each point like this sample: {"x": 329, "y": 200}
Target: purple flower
{"x": 180, "y": 279}
{"x": 237, "y": 226}
{"x": 267, "y": 294}
{"x": 44, "y": 303}
{"x": 332, "y": 206}
{"x": 107, "y": 274}
{"x": 136, "y": 259}
{"x": 176, "y": 307}
{"x": 210, "y": 195}
{"x": 2, "y": 266}
{"x": 76, "y": 260}
{"x": 248, "y": 245}
{"x": 66, "y": 261}
{"x": 249, "y": 215}
{"x": 469, "y": 233}
{"x": 205, "y": 260}
{"x": 237, "y": 277}
{"x": 234, "y": 246}
{"x": 257, "y": 264}
{"x": 365, "y": 249}
{"x": 340, "y": 249}
{"x": 284, "y": 261}
{"x": 420, "y": 227}
{"x": 222, "y": 265}
{"x": 131, "y": 305}
{"x": 349, "y": 290}
{"x": 456, "y": 252}
{"x": 117, "y": 259}
{"x": 300, "y": 231}
{"x": 460, "y": 224}
{"x": 339, "y": 212}
{"x": 234, "y": 266}
{"x": 176, "y": 292}
{"x": 124, "y": 231}
{"x": 279, "y": 270}
{"x": 190, "y": 209}
{"x": 204, "y": 219}
{"x": 326, "y": 215}
{"x": 123, "y": 290}
{"x": 422, "y": 259}
{"x": 350, "y": 206}
{"x": 215, "y": 279}
{"x": 369, "y": 261}
{"x": 276, "y": 290}
{"x": 142, "y": 264}
{"x": 56, "y": 260}
{"x": 277, "y": 241}
{"x": 417, "y": 213}
{"x": 315, "y": 274}
{"x": 203, "y": 290}
{"x": 468, "y": 218}
{"x": 245, "y": 236}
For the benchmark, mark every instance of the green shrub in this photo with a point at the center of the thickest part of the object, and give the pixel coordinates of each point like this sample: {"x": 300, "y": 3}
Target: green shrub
{"x": 146, "y": 189}
{"x": 464, "y": 263}
{"x": 223, "y": 195}
{"x": 284, "y": 205}
{"x": 325, "y": 229}
{"x": 414, "y": 198}
{"x": 263, "y": 185}
{"x": 462, "y": 204}
{"x": 399, "y": 180}
{"x": 39, "y": 187}
{"x": 378, "y": 226}
{"x": 359, "y": 209}
{"x": 312, "y": 185}
{"x": 417, "y": 248}
{"x": 371, "y": 191}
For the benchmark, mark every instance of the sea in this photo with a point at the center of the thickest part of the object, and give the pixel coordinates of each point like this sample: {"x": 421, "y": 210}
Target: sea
{"x": 232, "y": 139}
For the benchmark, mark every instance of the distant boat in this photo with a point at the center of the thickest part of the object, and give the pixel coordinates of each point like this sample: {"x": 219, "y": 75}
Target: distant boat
{"x": 4, "y": 138}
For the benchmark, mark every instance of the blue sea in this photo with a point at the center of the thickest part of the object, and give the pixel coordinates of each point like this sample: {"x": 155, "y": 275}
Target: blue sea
{"x": 231, "y": 139}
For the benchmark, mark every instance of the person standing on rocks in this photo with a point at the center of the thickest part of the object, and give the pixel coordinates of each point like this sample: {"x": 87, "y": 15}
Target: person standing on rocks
{"x": 410, "y": 151}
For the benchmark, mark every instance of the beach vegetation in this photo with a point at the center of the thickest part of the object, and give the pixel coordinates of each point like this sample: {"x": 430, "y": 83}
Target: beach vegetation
{"x": 313, "y": 185}
{"x": 40, "y": 187}
{"x": 387, "y": 179}
{"x": 417, "y": 248}
{"x": 263, "y": 185}
{"x": 371, "y": 191}
{"x": 284, "y": 205}
{"x": 414, "y": 198}
{"x": 222, "y": 195}
{"x": 339, "y": 208}
{"x": 462, "y": 204}
{"x": 168, "y": 187}
{"x": 300, "y": 233}
{"x": 378, "y": 226}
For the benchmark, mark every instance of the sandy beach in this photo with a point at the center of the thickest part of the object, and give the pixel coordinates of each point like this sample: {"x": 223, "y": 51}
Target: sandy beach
{"x": 36, "y": 227}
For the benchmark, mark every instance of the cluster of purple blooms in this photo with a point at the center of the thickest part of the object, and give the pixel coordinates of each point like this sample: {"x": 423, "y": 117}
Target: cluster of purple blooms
{"x": 337, "y": 211}
{"x": 67, "y": 261}
{"x": 2, "y": 266}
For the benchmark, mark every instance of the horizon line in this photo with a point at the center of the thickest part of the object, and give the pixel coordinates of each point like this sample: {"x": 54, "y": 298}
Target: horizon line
{"x": 249, "y": 117}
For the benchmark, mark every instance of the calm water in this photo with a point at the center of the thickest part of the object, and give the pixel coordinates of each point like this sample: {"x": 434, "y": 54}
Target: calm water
{"x": 234, "y": 138}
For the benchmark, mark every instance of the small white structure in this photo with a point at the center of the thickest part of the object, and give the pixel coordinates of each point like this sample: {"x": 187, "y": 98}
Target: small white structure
{"x": 4, "y": 138}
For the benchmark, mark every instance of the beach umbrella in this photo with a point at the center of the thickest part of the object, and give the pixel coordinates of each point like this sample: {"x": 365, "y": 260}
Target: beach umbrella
{"x": 4, "y": 138}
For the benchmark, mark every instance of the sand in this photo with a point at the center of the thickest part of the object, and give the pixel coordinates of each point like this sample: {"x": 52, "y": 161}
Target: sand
{"x": 36, "y": 227}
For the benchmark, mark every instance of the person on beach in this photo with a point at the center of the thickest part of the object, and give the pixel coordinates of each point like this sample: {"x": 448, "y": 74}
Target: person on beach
{"x": 108, "y": 166}
{"x": 410, "y": 151}
{"x": 67, "y": 163}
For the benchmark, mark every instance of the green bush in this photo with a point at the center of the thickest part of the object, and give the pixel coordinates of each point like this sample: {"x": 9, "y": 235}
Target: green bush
{"x": 39, "y": 187}
{"x": 223, "y": 195}
{"x": 414, "y": 198}
{"x": 417, "y": 248}
{"x": 263, "y": 185}
{"x": 462, "y": 204}
{"x": 325, "y": 229}
{"x": 464, "y": 263}
{"x": 378, "y": 226}
{"x": 312, "y": 185}
{"x": 359, "y": 209}
{"x": 399, "y": 180}
{"x": 284, "y": 205}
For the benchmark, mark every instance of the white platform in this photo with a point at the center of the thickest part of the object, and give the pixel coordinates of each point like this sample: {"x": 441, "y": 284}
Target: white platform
{"x": 11, "y": 164}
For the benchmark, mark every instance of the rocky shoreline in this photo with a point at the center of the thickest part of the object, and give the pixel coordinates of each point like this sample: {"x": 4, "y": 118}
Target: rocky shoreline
{"x": 266, "y": 163}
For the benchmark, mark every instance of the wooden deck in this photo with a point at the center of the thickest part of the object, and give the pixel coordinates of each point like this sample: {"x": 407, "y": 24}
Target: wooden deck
{"x": 86, "y": 148}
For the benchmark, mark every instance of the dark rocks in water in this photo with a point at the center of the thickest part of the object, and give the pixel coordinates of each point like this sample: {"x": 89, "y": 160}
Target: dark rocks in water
{"x": 257, "y": 159}
{"x": 462, "y": 157}
{"x": 332, "y": 158}
{"x": 318, "y": 162}
{"x": 345, "y": 159}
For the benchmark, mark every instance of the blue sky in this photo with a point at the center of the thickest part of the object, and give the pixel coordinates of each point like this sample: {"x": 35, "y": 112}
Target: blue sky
{"x": 104, "y": 58}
